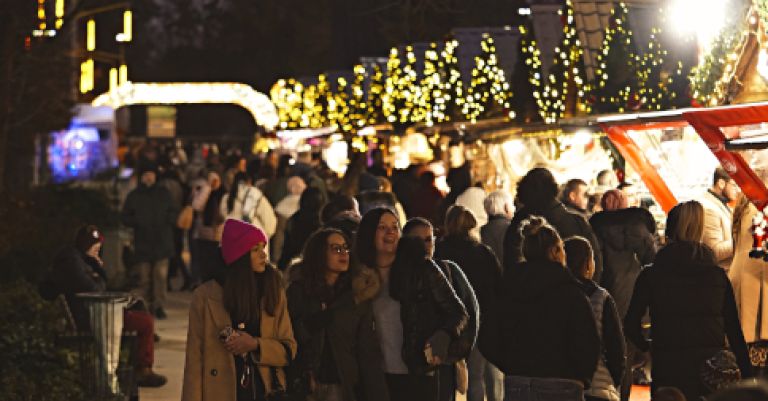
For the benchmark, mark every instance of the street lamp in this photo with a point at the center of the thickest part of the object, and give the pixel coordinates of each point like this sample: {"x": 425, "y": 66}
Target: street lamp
{"x": 704, "y": 18}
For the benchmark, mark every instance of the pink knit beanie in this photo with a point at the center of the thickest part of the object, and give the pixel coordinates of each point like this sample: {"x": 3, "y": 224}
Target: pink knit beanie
{"x": 614, "y": 199}
{"x": 238, "y": 239}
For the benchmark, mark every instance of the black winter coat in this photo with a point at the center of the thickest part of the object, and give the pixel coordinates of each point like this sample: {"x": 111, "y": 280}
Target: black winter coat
{"x": 348, "y": 329}
{"x": 479, "y": 264}
{"x": 74, "y": 272}
{"x": 568, "y": 224}
{"x": 692, "y": 311}
{"x": 428, "y": 304}
{"x": 152, "y": 215}
{"x": 541, "y": 325}
{"x": 627, "y": 243}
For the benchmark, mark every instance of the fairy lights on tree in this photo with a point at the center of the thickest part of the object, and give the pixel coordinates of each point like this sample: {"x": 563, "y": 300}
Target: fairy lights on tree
{"x": 616, "y": 77}
{"x": 451, "y": 84}
{"x": 374, "y": 98}
{"x": 432, "y": 99}
{"x": 489, "y": 92}
{"x": 357, "y": 99}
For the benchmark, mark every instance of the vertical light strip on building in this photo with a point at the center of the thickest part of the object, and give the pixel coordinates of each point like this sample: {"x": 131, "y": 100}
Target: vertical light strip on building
{"x": 113, "y": 82}
{"x": 59, "y": 13}
{"x": 123, "y": 74}
{"x": 90, "y": 39}
{"x": 127, "y": 26}
{"x": 41, "y": 14}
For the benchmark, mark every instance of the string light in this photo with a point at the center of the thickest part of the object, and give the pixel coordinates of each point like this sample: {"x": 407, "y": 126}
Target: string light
{"x": 489, "y": 90}
{"x": 615, "y": 70}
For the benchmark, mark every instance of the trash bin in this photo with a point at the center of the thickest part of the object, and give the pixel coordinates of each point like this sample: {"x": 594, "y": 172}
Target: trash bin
{"x": 106, "y": 315}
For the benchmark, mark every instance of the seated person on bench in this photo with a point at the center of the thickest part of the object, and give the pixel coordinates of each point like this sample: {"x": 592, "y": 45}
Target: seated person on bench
{"x": 79, "y": 269}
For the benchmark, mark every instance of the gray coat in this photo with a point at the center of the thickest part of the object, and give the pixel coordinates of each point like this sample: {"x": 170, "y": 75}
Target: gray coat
{"x": 152, "y": 215}
{"x": 492, "y": 234}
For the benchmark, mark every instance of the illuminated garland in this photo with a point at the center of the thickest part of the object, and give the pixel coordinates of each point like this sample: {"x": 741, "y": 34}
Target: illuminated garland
{"x": 615, "y": 72}
{"x": 489, "y": 90}
{"x": 710, "y": 79}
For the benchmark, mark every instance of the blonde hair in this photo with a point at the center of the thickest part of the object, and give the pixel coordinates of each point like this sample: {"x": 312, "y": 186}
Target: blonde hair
{"x": 686, "y": 222}
{"x": 459, "y": 221}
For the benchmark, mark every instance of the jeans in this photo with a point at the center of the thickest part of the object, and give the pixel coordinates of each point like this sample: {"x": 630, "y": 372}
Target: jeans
{"x": 153, "y": 279}
{"x": 412, "y": 387}
{"x": 484, "y": 379}
{"x": 519, "y": 388}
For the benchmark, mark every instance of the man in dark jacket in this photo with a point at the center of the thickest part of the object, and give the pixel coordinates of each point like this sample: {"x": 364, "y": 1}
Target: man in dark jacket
{"x": 151, "y": 213}
{"x": 421, "y": 228}
{"x": 537, "y": 192}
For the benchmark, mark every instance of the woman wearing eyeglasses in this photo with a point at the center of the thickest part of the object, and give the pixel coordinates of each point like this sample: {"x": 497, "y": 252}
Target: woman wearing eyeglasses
{"x": 339, "y": 356}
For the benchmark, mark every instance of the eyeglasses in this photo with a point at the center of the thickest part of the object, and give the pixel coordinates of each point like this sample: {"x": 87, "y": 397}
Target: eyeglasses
{"x": 339, "y": 249}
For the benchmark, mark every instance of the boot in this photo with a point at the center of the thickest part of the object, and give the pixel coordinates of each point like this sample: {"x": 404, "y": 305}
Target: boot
{"x": 145, "y": 377}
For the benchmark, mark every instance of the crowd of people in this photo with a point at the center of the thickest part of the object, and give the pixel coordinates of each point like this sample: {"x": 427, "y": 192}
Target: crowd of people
{"x": 377, "y": 286}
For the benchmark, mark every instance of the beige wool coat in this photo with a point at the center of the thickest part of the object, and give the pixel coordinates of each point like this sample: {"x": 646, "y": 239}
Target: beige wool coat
{"x": 717, "y": 229}
{"x": 209, "y": 370}
{"x": 749, "y": 278}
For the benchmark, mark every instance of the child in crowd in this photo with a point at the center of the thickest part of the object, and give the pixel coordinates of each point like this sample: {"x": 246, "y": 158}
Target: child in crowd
{"x": 610, "y": 368}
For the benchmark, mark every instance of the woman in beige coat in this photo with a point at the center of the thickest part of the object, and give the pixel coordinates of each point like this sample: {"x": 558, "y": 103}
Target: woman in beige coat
{"x": 749, "y": 278}
{"x": 240, "y": 335}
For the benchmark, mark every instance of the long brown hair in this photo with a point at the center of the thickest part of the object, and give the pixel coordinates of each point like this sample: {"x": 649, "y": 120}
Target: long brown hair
{"x": 314, "y": 265}
{"x": 459, "y": 221}
{"x": 685, "y": 222}
{"x": 247, "y": 293}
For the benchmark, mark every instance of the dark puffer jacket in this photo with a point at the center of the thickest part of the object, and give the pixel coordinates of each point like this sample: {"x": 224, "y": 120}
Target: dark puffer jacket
{"x": 347, "y": 327}
{"x": 541, "y": 326}
{"x": 152, "y": 215}
{"x": 692, "y": 310}
{"x": 568, "y": 224}
{"x": 428, "y": 304}
{"x": 626, "y": 240}
{"x": 478, "y": 263}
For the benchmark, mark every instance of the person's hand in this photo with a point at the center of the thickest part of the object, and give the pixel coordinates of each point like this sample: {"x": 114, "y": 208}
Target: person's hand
{"x": 241, "y": 343}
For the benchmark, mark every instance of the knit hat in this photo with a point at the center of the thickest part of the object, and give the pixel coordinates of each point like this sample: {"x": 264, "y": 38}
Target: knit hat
{"x": 238, "y": 238}
{"x": 87, "y": 236}
{"x": 614, "y": 199}
{"x": 146, "y": 166}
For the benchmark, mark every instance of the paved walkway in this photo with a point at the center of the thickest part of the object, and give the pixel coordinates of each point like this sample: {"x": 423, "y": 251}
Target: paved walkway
{"x": 169, "y": 353}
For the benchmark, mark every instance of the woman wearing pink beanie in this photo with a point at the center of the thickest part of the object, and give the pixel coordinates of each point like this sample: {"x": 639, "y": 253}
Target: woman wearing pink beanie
{"x": 240, "y": 335}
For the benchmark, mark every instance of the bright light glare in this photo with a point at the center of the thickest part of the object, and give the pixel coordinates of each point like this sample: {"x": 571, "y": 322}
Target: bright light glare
{"x": 701, "y": 17}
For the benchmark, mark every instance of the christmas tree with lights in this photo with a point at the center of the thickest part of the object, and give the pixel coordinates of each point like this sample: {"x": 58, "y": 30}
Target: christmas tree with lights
{"x": 654, "y": 82}
{"x": 395, "y": 87}
{"x": 357, "y": 99}
{"x": 432, "y": 99}
{"x": 374, "y": 113}
{"x": 489, "y": 92}
{"x": 452, "y": 87}
{"x": 526, "y": 78}
{"x": 565, "y": 83}
{"x": 616, "y": 77}
{"x": 338, "y": 107}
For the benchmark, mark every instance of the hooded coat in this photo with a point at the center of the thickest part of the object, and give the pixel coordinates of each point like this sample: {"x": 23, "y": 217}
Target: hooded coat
{"x": 626, "y": 239}
{"x": 692, "y": 311}
{"x": 542, "y": 325}
{"x": 347, "y": 327}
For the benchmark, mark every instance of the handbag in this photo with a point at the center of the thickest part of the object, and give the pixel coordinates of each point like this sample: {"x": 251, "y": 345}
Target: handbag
{"x": 186, "y": 216}
{"x": 720, "y": 371}
{"x": 462, "y": 376}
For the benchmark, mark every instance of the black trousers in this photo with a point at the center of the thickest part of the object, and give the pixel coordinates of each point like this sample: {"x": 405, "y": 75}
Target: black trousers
{"x": 447, "y": 383}
{"x": 413, "y": 387}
